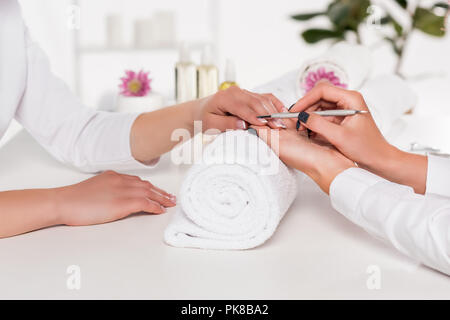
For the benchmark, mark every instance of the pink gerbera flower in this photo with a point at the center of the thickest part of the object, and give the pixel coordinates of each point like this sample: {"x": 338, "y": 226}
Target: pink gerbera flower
{"x": 320, "y": 74}
{"x": 135, "y": 84}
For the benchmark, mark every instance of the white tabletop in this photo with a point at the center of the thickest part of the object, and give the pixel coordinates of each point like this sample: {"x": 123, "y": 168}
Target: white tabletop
{"x": 315, "y": 253}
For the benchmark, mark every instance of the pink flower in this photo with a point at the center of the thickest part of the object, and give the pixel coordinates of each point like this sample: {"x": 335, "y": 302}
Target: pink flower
{"x": 315, "y": 76}
{"x": 135, "y": 84}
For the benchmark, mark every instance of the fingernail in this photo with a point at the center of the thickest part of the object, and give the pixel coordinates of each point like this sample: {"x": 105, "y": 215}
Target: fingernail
{"x": 297, "y": 125}
{"x": 279, "y": 123}
{"x": 241, "y": 125}
{"x": 163, "y": 209}
{"x": 263, "y": 121}
{"x": 303, "y": 116}
{"x": 252, "y": 131}
{"x": 285, "y": 109}
{"x": 173, "y": 198}
{"x": 291, "y": 107}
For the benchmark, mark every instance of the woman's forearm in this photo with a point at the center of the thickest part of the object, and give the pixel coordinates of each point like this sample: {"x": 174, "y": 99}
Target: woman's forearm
{"x": 151, "y": 132}
{"x": 26, "y": 210}
{"x": 403, "y": 168}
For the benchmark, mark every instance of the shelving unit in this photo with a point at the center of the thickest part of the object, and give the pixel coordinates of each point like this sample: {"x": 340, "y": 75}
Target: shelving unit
{"x": 81, "y": 51}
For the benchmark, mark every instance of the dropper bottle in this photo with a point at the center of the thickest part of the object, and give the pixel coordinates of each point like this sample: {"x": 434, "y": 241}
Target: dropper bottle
{"x": 230, "y": 75}
{"x": 185, "y": 76}
{"x": 207, "y": 74}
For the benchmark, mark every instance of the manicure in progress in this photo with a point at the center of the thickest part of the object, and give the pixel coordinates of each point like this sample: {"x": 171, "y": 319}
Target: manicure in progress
{"x": 302, "y": 117}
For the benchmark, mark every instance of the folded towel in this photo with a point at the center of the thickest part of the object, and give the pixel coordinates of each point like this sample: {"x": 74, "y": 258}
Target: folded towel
{"x": 388, "y": 98}
{"x": 234, "y": 197}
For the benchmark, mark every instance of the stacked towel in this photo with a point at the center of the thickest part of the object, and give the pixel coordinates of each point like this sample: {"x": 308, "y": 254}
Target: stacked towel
{"x": 234, "y": 198}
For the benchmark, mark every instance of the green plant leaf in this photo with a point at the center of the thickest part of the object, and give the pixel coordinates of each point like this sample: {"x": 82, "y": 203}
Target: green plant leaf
{"x": 402, "y": 3}
{"x": 396, "y": 49}
{"x": 428, "y": 22}
{"x": 348, "y": 14}
{"x": 306, "y": 16}
{"x": 385, "y": 20}
{"x": 316, "y": 35}
{"x": 338, "y": 13}
{"x": 397, "y": 27}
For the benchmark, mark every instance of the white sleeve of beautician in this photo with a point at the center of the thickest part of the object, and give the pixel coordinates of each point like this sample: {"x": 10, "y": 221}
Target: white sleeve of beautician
{"x": 438, "y": 176}
{"x": 83, "y": 137}
{"x": 417, "y": 225}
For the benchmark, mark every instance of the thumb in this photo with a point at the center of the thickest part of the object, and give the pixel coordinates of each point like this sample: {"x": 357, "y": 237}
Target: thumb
{"x": 331, "y": 131}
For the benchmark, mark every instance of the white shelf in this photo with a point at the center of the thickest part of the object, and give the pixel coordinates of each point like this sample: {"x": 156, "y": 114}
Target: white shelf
{"x": 97, "y": 50}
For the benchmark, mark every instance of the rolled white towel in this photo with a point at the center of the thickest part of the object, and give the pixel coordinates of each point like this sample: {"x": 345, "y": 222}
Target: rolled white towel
{"x": 234, "y": 198}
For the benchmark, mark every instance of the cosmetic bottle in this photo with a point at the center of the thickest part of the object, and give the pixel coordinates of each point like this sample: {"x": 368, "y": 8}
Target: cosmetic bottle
{"x": 207, "y": 75}
{"x": 230, "y": 76}
{"x": 185, "y": 77}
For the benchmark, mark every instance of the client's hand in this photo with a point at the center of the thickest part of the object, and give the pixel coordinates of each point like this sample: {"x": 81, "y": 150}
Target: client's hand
{"x": 358, "y": 138}
{"x": 108, "y": 197}
{"x": 321, "y": 163}
{"x": 235, "y": 108}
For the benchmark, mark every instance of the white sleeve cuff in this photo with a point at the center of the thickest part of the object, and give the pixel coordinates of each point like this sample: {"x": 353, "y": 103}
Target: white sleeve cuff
{"x": 347, "y": 188}
{"x": 438, "y": 176}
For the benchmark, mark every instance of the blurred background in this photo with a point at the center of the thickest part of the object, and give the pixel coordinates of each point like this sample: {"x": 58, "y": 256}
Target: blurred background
{"x": 90, "y": 44}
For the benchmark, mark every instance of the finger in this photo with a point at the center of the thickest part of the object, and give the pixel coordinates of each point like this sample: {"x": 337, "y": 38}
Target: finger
{"x": 290, "y": 123}
{"x": 324, "y": 105}
{"x": 280, "y": 107}
{"x": 310, "y": 110}
{"x": 131, "y": 177}
{"x": 142, "y": 204}
{"x": 247, "y": 107}
{"x": 222, "y": 123}
{"x": 334, "y": 133}
{"x": 343, "y": 98}
{"x": 144, "y": 192}
{"x": 163, "y": 197}
{"x": 147, "y": 184}
{"x": 264, "y": 133}
{"x": 265, "y": 107}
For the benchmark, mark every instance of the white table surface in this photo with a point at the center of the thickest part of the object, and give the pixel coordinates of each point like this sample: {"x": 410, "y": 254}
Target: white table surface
{"x": 315, "y": 253}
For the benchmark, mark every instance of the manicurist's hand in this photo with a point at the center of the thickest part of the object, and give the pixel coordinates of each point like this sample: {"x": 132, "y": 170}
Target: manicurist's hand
{"x": 357, "y": 137}
{"x": 107, "y": 197}
{"x": 236, "y": 108}
{"x": 321, "y": 163}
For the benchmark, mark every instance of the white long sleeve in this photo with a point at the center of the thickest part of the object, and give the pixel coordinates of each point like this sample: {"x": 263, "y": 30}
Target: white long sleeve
{"x": 83, "y": 137}
{"x": 88, "y": 139}
{"x": 417, "y": 225}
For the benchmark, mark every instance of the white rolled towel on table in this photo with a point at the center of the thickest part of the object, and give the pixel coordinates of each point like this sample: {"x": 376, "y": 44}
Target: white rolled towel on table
{"x": 234, "y": 198}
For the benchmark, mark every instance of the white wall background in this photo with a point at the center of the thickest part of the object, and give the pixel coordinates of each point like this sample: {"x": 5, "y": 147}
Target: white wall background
{"x": 257, "y": 34}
